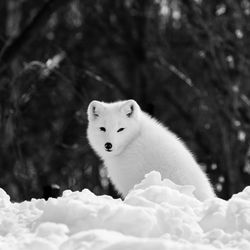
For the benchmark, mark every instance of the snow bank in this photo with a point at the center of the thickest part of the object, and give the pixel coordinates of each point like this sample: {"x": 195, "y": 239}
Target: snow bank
{"x": 156, "y": 214}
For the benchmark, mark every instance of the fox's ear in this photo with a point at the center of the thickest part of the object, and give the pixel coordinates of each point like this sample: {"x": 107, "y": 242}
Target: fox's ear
{"x": 94, "y": 110}
{"x": 131, "y": 109}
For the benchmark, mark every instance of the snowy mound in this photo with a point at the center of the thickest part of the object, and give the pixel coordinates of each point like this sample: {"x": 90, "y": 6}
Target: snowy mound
{"x": 156, "y": 214}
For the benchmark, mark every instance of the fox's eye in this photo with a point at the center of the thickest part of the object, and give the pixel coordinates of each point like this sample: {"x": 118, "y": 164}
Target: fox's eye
{"x": 103, "y": 129}
{"x": 120, "y": 129}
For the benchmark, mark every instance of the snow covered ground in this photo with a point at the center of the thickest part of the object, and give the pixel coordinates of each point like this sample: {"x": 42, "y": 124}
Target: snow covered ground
{"x": 156, "y": 214}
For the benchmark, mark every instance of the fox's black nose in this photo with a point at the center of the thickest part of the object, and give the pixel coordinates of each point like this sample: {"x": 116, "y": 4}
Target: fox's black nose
{"x": 108, "y": 146}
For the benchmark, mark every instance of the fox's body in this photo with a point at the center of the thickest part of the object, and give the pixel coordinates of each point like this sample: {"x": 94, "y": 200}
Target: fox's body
{"x": 131, "y": 144}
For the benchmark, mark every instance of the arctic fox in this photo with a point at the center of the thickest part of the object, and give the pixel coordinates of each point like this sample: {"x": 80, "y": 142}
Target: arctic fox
{"x": 131, "y": 144}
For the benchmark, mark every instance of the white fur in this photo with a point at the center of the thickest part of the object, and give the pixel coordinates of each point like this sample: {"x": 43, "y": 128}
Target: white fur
{"x": 144, "y": 145}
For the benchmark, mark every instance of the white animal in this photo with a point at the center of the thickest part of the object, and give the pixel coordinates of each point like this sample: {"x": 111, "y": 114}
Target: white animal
{"x": 131, "y": 144}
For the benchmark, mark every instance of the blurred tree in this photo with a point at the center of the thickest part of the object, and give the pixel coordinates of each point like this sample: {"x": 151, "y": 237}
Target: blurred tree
{"x": 185, "y": 62}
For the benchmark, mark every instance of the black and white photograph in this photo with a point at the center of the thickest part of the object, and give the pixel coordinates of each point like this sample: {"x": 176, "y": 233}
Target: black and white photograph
{"x": 124, "y": 124}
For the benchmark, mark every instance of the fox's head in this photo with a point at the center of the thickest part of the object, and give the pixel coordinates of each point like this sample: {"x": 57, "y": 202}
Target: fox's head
{"x": 112, "y": 126}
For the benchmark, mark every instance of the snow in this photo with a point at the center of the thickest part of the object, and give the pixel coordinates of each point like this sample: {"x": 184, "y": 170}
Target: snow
{"x": 156, "y": 214}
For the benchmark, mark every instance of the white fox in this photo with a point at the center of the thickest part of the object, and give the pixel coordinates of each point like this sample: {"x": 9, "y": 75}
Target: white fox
{"x": 131, "y": 144}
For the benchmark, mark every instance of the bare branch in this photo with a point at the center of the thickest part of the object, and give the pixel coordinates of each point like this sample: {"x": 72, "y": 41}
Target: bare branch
{"x": 14, "y": 45}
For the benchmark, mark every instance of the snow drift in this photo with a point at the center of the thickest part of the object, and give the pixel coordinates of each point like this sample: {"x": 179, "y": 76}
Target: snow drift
{"x": 156, "y": 214}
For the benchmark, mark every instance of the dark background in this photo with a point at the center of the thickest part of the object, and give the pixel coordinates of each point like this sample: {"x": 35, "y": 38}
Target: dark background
{"x": 185, "y": 62}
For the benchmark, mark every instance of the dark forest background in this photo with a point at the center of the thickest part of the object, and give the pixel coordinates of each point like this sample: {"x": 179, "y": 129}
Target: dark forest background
{"x": 185, "y": 62}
